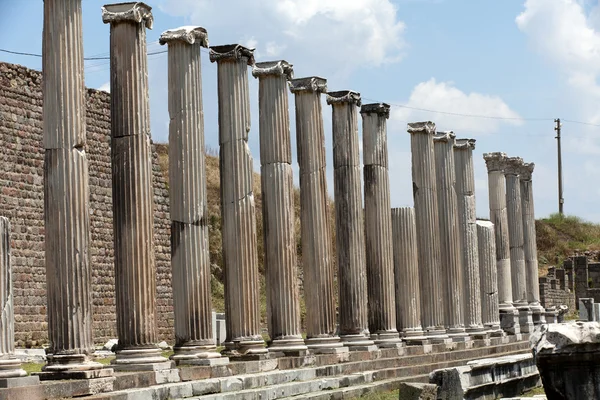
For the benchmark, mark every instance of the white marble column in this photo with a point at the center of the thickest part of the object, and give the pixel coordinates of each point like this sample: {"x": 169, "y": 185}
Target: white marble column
{"x": 378, "y": 226}
{"x": 242, "y": 297}
{"x": 427, "y": 224}
{"x": 512, "y": 167}
{"x": 486, "y": 245}
{"x": 190, "y": 257}
{"x": 467, "y": 216}
{"x": 133, "y": 197}
{"x": 498, "y": 216}
{"x": 277, "y": 182}
{"x": 406, "y": 272}
{"x": 349, "y": 221}
{"x": 316, "y": 247}
{"x": 66, "y": 196}
{"x": 530, "y": 243}
{"x": 450, "y": 245}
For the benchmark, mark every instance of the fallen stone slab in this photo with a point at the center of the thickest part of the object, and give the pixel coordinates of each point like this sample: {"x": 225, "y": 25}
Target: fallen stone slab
{"x": 417, "y": 391}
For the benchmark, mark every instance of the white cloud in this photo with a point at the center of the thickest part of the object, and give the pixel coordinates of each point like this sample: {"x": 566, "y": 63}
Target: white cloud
{"x": 105, "y": 87}
{"x": 444, "y": 96}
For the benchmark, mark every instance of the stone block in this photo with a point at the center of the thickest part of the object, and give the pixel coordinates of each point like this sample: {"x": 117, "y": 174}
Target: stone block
{"x": 417, "y": 391}
{"x": 207, "y": 386}
{"x": 586, "y": 309}
{"x": 19, "y": 381}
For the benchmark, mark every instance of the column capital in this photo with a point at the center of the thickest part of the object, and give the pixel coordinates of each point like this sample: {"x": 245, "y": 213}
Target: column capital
{"x": 381, "y": 109}
{"x": 444, "y": 136}
{"x": 309, "y": 84}
{"x": 512, "y": 165}
{"x": 187, "y": 34}
{"x": 232, "y": 52}
{"x": 526, "y": 171}
{"x": 343, "y": 96}
{"x": 426, "y": 127}
{"x": 494, "y": 161}
{"x": 277, "y": 68}
{"x": 464, "y": 144}
{"x": 134, "y": 11}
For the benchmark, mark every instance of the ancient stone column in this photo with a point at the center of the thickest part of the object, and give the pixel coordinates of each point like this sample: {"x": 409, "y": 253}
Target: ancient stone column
{"x": 427, "y": 224}
{"x": 10, "y": 366}
{"x": 498, "y": 215}
{"x": 242, "y": 289}
{"x": 486, "y": 245}
{"x": 450, "y": 245}
{"x": 316, "y": 246}
{"x": 512, "y": 168}
{"x": 133, "y": 197}
{"x": 530, "y": 245}
{"x": 277, "y": 182}
{"x": 349, "y": 222}
{"x": 467, "y": 217}
{"x": 190, "y": 258}
{"x": 406, "y": 272}
{"x": 378, "y": 226}
{"x": 66, "y": 196}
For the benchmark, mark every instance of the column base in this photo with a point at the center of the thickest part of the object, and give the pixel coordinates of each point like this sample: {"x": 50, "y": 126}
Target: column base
{"x": 494, "y": 330}
{"x": 458, "y": 334}
{"x": 290, "y": 346}
{"x": 72, "y": 366}
{"x": 140, "y": 359}
{"x": 245, "y": 347}
{"x": 325, "y": 345}
{"x": 387, "y": 340}
{"x": 198, "y": 355}
{"x": 358, "y": 342}
{"x": 525, "y": 320}
{"x": 509, "y": 321}
{"x": 437, "y": 336}
{"x": 11, "y": 368}
{"x": 537, "y": 315}
{"x": 478, "y": 332}
{"x": 414, "y": 337}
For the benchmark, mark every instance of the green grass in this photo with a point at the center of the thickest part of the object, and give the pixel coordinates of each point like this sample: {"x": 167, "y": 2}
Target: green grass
{"x": 32, "y": 367}
{"x": 393, "y": 395}
{"x": 533, "y": 392}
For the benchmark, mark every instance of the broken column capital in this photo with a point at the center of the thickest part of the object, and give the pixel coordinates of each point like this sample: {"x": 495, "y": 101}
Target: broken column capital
{"x": 444, "y": 136}
{"x": 464, "y": 144}
{"x": 134, "y": 11}
{"x": 426, "y": 127}
{"x": 381, "y": 109}
{"x": 277, "y": 68}
{"x": 309, "y": 84}
{"x": 526, "y": 171}
{"x": 186, "y": 34}
{"x": 513, "y": 165}
{"x": 343, "y": 96}
{"x": 231, "y": 52}
{"x": 495, "y": 161}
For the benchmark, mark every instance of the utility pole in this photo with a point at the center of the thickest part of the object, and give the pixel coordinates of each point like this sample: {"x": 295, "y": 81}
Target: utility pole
{"x": 560, "y": 188}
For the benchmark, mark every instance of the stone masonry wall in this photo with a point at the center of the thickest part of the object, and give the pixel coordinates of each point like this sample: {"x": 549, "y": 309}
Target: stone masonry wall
{"x": 21, "y": 200}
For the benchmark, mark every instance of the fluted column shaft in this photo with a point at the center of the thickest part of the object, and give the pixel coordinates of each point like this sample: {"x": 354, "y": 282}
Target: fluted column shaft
{"x": 316, "y": 246}
{"x": 283, "y": 306}
{"x": 240, "y": 256}
{"x": 190, "y": 257}
{"x": 449, "y": 233}
{"x": 349, "y": 218}
{"x": 133, "y": 197}
{"x": 427, "y": 223}
{"x": 499, "y": 218}
{"x": 467, "y": 217}
{"x": 406, "y": 268}
{"x": 486, "y": 245}
{"x": 515, "y": 231}
{"x": 378, "y": 226}
{"x": 66, "y": 188}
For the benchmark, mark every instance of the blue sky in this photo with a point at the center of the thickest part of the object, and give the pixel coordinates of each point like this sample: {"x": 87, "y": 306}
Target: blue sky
{"x": 514, "y": 59}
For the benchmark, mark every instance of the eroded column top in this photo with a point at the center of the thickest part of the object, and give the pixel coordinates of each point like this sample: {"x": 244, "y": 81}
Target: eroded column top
{"x": 231, "y": 52}
{"x": 134, "y": 11}
{"x": 426, "y": 127}
{"x": 464, "y": 144}
{"x": 512, "y": 165}
{"x": 444, "y": 136}
{"x": 343, "y": 96}
{"x": 186, "y": 34}
{"x": 494, "y": 161}
{"x": 309, "y": 84}
{"x": 381, "y": 109}
{"x": 526, "y": 171}
{"x": 276, "y": 68}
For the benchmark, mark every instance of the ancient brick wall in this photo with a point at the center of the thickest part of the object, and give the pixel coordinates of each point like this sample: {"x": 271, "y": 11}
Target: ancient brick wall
{"x": 21, "y": 200}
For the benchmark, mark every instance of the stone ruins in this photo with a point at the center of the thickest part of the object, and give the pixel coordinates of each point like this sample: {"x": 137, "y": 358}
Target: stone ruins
{"x": 410, "y": 281}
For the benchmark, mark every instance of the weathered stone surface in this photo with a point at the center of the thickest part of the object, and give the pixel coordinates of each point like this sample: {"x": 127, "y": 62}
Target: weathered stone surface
{"x": 467, "y": 227}
{"x": 378, "y": 226}
{"x": 190, "y": 258}
{"x": 417, "y": 391}
{"x": 133, "y": 201}
{"x": 66, "y": 190}
{"x": 237, "y": 201}
{"x": 452, "y": 273}
{"x": 316, "y": 247}
{"x": 567, "y": 357}
{"x": 486, "y": 245}
{"x": 350, "y": 234}
{"x": 427, "y": 223}
{"x": 283, "y": 306}
{"x": 406, "y": 268}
